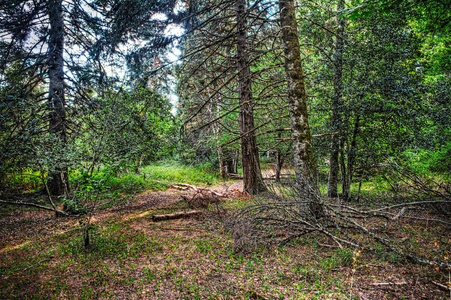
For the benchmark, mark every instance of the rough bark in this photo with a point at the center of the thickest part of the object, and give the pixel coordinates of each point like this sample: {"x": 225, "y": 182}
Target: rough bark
{"x": 332, "y": 189}
{"x": 58, "y": 183}
{"x": 253, "y": 179}
{"x": 297, "y": 99}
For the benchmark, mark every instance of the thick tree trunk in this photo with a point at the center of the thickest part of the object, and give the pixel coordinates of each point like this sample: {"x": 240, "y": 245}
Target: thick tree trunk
{"x": 332, "y": 189}
{"x": 253, "y": 179}
{"x": 297, "y": 99}
{"x": 58, "y": 183}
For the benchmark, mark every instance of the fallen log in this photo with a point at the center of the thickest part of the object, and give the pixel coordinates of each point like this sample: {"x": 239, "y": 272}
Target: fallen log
{"x": 179, "y": 215}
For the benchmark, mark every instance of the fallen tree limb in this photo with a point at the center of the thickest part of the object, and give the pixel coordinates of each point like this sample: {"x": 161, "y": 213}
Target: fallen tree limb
{"x": 179, "y": 215}
{"x": 185, "y": 186}
{"x": 177, "y": 187}
{"x": 410, "y": 204}
{"x": 33, "y": 205}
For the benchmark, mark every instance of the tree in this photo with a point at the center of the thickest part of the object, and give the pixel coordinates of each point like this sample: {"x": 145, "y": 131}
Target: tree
{"x": 129, "y": 128}
{"x": 332, "y": 189}
{"x": 39, "y": 31}
{"x": 253, "y": 180}
{"x": 224, "y": 46}
{"x": 59, "y": 183}
{"x": 304, "y": 165}
{"x": 34, "y": 36}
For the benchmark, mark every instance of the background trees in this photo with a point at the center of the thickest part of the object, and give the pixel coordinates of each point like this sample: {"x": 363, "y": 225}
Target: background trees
{"x": 58, "y": 57}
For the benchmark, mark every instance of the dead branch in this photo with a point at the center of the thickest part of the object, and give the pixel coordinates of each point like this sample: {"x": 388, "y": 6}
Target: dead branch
{"x": 185, "y": 186}
{"x": 281, "y": 215}
{"x": 235, "y": 176}
{"x": 389, "y": 283}
{"x": 324, "y": 134}
{"x": 179, "y": 215}
{"x": 410, "y": 204}
{"x": 442, "y": 286}
{"x": 33, "y": 205}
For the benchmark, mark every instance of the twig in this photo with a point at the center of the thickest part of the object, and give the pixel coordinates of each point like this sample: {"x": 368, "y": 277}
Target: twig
{"x": 442, "y": 286}
{"x": 327, "y": 246}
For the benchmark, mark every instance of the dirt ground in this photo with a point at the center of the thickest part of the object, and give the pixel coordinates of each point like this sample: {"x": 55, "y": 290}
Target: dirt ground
{"x": 133, "y": 257}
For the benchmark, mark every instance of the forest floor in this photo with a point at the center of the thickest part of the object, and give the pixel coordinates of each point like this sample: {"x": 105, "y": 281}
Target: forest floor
{"x": 132, "y": 257}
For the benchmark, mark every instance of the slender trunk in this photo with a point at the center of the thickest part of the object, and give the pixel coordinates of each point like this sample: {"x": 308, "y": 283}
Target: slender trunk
{"x": 252, "y": 175}
{"x": 236, "y": 158}
{"x": 217, "y": 132}
{"x": 279, "y": 164}
{"x": 360, "y": 187}
{"x": 222, "y": 168}
{"x": 279, "y": 161}
{"x": 351, "y": 160}
{"x": 139, "y": 163}
{"x": 297, "y": 99}
{"x": 332, "y": 189}
{"x": 58, "y": 183}
{"x": 343, "y": 169}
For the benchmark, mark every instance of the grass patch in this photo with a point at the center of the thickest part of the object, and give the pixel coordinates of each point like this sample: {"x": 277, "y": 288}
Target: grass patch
{"x": 177, "y": 173}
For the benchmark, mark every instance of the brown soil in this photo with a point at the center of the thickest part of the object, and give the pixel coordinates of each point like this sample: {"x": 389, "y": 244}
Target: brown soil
{"x": 132, "y": 257}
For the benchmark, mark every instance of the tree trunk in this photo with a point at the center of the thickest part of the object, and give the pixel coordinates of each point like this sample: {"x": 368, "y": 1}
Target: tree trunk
{"x": 58, "y": 183}
{"x": 343, "y": 169}
{"x": 252, "y": 175}
{"x": 351, "y": 161}
{"x": 332, "y": 189}
{"x": 279, "y": 161}
{"x": 297, "y": 99}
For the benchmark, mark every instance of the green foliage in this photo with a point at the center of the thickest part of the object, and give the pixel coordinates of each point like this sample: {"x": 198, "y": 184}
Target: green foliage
{"x": 440, "y": 160}
{"x": 433, "y": 15}
{"x": 425, "y": 161}
{"x": 110, "y": 183}
{"x": 172, "y": 172}
{"x": 344, "y": 256}
{"x": 26, "y": 179}
{"x": 135, "y": 183}
{"x": 130, "y": 128}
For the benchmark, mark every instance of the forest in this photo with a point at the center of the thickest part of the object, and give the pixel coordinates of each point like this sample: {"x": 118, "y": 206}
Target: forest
{"x": 225, "y": 149}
